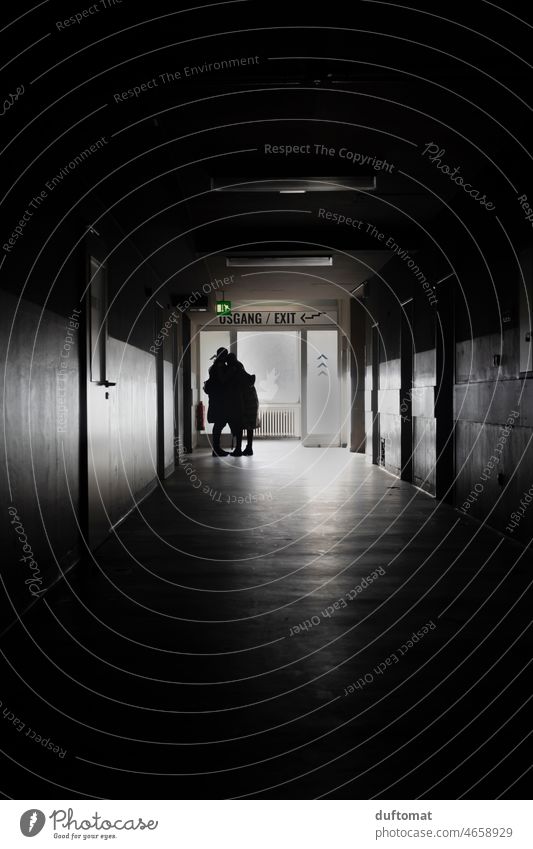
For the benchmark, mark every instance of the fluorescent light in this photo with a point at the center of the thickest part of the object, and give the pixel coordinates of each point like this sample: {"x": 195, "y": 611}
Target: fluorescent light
{"x": 292, "y": 191}
{"x": 276, "y": 261}
{"x": 294, "y": 184}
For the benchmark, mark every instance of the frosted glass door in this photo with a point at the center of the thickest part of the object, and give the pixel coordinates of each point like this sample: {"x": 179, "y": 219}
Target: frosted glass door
{"x": 322, "y": 391}
{"x": 274, "y": 358}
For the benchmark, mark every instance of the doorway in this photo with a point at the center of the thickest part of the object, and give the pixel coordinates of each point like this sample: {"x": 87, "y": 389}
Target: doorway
{"x": 97, "y": 401}
{"x": 297, "y": 380}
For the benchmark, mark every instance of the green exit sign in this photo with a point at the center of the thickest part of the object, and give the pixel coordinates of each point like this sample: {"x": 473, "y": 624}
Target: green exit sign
{"x": 223, "y": 307}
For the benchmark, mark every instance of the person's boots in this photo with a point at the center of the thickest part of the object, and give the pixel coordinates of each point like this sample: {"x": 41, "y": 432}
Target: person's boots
{"x": 248, "y": 451}
{"x": 238, "y": 445}
{"x": 217, "y": 450}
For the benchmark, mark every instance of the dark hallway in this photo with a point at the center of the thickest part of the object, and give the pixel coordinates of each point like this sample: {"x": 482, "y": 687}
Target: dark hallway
{"x": 310, "y": 227}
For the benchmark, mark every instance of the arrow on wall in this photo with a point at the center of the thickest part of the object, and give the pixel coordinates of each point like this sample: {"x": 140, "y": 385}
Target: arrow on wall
{"x": 322, "y": 364}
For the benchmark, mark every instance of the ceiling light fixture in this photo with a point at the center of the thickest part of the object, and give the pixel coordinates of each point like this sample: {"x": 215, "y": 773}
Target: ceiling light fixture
{"x": 294, "y": 184}
{"x": 276, "y": 261}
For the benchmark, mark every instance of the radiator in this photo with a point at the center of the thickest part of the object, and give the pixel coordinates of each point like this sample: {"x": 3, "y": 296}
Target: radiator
{"x": 279, "y": 421}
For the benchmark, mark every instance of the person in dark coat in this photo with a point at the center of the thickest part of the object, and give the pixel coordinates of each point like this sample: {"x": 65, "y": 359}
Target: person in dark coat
{"x": 215, "y": 388}
{"x": 242, "y": 404}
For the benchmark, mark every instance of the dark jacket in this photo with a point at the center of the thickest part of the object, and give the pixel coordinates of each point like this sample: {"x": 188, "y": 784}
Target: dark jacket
{"x": 251, "y": 403}
{"x": 240, "y": 398}
{"x": 215, "y": 388}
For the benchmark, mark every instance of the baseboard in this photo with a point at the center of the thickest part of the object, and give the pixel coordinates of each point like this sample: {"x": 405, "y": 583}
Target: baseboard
{"x": 143, "y": 493}
{"x": 66, "y": 563}
{"x": 74, "y": 557}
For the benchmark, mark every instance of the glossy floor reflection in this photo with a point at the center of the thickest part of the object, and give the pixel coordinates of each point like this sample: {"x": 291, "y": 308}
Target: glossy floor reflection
{"x": 249, "y": 632}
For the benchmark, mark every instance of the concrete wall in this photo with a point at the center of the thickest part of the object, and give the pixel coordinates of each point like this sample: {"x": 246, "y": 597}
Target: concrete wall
{"x": 492, "y": 398}
{"x": 40, "y": 447}
{"x": 423, "y": 415}
{"x": 42, "y": 443}
{"x": 383, "y": 377}
{"x": 494, "y": 433}
{"x": 133, "y": 423}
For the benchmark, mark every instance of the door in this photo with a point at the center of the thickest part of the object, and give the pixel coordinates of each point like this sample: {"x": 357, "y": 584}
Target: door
{"x": 165, "y": 372}
{"x": 98, "y": 460}
{"x": 321, "y": 414}
{"x": 187, "y": 387}
{"x": 178, "y": 393}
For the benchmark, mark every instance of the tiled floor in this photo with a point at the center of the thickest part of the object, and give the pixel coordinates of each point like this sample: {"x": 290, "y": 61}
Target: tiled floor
{"x": 172, "y": 666}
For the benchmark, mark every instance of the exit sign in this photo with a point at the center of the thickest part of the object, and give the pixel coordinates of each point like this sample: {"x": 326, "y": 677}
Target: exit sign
{"x": 223, "y": 307}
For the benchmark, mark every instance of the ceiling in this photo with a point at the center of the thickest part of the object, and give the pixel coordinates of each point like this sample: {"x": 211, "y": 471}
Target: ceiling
{"x": 373, "y": 82}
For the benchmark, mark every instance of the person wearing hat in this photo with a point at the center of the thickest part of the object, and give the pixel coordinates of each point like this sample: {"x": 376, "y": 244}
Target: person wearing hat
{"x": 217, "y": 409}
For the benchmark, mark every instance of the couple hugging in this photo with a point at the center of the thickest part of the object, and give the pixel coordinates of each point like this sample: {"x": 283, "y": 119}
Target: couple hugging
{"x": 232, "y": 400}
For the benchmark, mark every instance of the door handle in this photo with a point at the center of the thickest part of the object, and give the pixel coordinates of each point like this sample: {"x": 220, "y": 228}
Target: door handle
{"x": 106, "y": 383}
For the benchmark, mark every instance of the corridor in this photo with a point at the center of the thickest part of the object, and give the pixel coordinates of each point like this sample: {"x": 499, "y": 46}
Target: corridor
{"x": 254, "y": 637}
{"x": 303, "y": 226}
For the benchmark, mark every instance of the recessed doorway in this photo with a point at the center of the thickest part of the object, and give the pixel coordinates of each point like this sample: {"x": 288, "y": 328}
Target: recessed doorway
{"x": 297, "y": 380}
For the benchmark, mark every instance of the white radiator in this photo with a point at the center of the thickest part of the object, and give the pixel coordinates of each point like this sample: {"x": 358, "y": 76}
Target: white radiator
{"x": 279, "y": 421}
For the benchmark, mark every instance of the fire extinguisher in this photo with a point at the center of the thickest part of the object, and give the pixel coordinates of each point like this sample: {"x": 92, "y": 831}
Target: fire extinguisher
{"x": 200, "y": 416}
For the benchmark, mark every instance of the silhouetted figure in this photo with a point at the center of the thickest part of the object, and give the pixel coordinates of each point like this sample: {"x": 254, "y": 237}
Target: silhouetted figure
{"x": 242, "y": 404}
{"x": 217, "y": 409}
